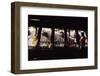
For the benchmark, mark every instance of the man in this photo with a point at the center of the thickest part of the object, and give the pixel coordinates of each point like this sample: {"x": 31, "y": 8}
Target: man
{"x": 82, "y": 40}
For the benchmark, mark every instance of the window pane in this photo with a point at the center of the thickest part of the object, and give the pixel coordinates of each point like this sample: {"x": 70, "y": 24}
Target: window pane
{"x": 45, "y": 40}
{"x": 71, "y": 38}
{"x": 32, "y": 36}
{"x": 85, "y": 36}
{"x": 59, "y": 38}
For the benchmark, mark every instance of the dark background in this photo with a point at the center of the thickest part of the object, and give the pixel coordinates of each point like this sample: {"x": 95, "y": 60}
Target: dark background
{"x": 76, "y": 23}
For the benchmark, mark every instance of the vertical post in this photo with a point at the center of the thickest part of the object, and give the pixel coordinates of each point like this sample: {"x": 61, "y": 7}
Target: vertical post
{"x": 52, "y": 36}
{"x": 77, "y": 37}
{"x": 65, "y": 30}
{"x": 39, "y": 35}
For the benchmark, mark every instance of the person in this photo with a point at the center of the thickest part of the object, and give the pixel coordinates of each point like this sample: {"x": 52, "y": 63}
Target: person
{"x": 32, "y": 38}
{"x": 35, "y": 40}
{"x": 82, "y": 40}
{"x": 46, "y": 41}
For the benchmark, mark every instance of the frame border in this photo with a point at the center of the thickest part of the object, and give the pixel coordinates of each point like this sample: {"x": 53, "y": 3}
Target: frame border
{"x": 15, "y": 37}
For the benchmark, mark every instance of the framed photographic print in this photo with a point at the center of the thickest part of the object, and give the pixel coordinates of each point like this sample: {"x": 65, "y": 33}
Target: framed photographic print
{"x": 52, "y": 37}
